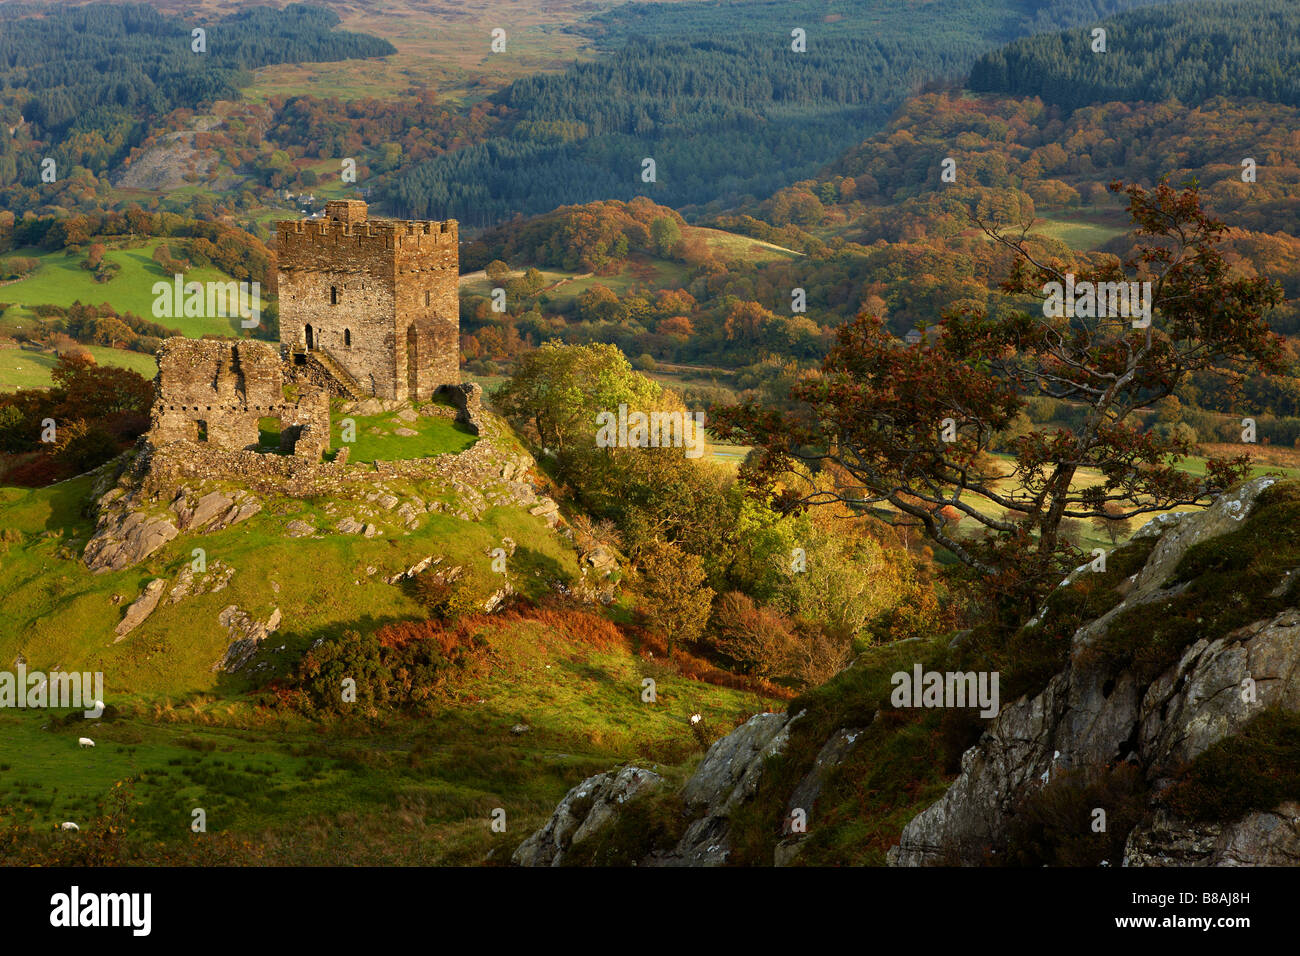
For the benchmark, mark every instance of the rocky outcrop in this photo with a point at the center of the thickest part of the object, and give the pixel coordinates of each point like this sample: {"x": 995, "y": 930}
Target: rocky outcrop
{"x": 1257, "y": 839}
{"x": 123, "y": 538}
{"x": 1127, "y": 718}
{"x": 191, "y": 584}
{"x": 1089, "y": 717}
{"x": 727, "y": 777}
{"x": 803, "y": 800}
{"x": 585, "y": 810}
{"x": 141, "y": 608}
{"x": 213, "y": 511}
{"x": 246, "y": 634}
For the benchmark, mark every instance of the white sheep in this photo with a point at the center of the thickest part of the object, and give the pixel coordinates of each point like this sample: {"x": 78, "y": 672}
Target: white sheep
{"x": 85, "y": 742}
{"x": 69, "y": 826}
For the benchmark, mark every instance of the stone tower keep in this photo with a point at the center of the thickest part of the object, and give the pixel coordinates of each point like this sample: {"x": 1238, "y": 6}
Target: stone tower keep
{"x": 373, "y": 301}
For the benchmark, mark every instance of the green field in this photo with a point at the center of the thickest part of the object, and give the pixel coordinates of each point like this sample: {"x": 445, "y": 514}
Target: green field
{"x": 730, "y": 245}
{"x": 61, "y": 281}
{"x": 20, "y": 368}
{"x": 1090, "y": 537}
{"x": 1077, "y": 234}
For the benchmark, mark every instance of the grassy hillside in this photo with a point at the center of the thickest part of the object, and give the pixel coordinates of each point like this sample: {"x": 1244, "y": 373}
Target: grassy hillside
{"x": 61, "y": 613}
{"x": 22, "y": 369}
{"x": 404, "y": 791}
{"x": 60, "y": 280}
{"x": 285, "y": 789}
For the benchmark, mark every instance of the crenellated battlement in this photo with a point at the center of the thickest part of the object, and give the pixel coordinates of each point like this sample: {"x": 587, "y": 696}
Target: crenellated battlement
{"x": 374, "y": 236}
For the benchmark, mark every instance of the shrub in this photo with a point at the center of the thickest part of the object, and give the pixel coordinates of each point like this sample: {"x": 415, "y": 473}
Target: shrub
{"x": 1255, "y": 769}
{"x": 673, "y": 595}
{"x": 767, "y": 644}
{"x": 1056, "y": 825}
{"x": 89, "y": 447}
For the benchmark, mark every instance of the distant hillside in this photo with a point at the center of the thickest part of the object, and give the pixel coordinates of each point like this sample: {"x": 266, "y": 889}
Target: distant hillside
{"x": 717, "y": 97}
{"x": 1191, "y": 53}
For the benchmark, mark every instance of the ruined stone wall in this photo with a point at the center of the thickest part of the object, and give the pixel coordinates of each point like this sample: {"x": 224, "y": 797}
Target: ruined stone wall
{"x": 305, "y": 425}
{"x": 298, "y": 477}
{"x": 468, "y": 399}
{"x": 213, "y": 392}
{"x": 362, "y": 285}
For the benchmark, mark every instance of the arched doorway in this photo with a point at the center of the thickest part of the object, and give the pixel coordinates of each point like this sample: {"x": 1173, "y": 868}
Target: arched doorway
{"x": 311, "y": 343}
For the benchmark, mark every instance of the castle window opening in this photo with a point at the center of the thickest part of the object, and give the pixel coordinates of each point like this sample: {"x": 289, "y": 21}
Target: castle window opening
{"x": 347, "y": 338}
{"x": 428, "y": 297}
{"x": 202, "y": 431}
{"x": 334, "y": 295}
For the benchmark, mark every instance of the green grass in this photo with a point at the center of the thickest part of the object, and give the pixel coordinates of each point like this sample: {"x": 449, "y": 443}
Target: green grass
{"x": 729, "y": 245}
{"x": 20, "y": 368}
{"x": 58, "y": 612}
{"x": 406, "y": 790}
{"x": 376, "y": 438}
{"x": 403, "y": 790}
{"x": 1076, "y": 233}
{"x": 61, "y": 281}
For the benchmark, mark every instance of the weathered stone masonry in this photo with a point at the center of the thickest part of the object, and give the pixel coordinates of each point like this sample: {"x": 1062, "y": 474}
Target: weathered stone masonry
{"x": 377, "y": 298}
{"x": 215, "y": 392}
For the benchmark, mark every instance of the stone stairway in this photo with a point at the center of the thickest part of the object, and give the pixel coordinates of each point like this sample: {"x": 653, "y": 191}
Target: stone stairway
{"x": 346, "y": 382}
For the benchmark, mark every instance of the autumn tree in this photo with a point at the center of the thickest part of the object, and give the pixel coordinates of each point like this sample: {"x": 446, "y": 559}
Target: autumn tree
{"x": 1113, "y": 522}
{"x": 912, "y": 424}
{"x": 674, "y": 597}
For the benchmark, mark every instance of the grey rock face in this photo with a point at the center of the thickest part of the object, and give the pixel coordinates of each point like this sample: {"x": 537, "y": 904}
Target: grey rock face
{"x": 1084, "y": 717}
{"x": 585, "y": 810}
{"x": 1258, "y": 839}
{"x": 126, "y": 538}
{"x": 141, "y": 608}
{"x": 727, "y": 777}
{"x": 832, "y": 754}
{"x": 246, "y": 634}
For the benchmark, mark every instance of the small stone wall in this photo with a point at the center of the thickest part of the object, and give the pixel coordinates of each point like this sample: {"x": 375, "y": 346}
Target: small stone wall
{"x": 468, "y": 399}
{"x": 182, "y": 462}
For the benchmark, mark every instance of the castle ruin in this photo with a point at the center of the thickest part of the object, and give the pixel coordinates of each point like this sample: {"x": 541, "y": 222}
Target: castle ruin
{"x": 372, "y": 302}
{"x": 368, "y": 309}
{"x": 224, "y": 393}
